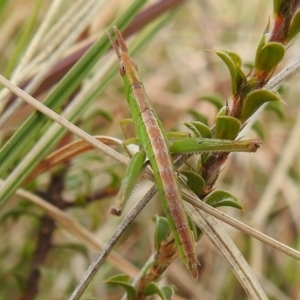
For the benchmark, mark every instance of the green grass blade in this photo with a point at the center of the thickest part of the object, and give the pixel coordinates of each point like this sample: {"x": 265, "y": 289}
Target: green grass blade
{"x": 3, "y": 4}
{"x": 23, "y": 39}
{"x": 28, "y": 131}
{"x": 72, "y": 113}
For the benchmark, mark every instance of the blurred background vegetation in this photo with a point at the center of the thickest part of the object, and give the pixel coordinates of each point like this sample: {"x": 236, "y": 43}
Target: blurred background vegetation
{"x": 40, "y": 260}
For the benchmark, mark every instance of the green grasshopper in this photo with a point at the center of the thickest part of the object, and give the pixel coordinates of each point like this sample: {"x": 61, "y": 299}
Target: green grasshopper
{"x": 154, "y": 147}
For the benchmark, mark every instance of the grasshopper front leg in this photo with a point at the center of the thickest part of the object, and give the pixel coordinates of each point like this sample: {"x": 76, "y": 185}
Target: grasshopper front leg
{"x": 132, "y": 175}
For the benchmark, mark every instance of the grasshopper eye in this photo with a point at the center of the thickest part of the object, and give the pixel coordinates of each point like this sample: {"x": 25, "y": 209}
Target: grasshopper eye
{"x": 122, "y": 69}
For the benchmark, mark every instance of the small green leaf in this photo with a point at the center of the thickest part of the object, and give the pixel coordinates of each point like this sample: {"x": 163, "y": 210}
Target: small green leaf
{"x": 105, "y": 114}
{"x": 118, "y": 278}
{"x": 255, "y": 100}
{"x": 235, "y": 58}
{"x": 203, "y": 129}
{"x": 233, "y": 62}
{"x": 294, "y": 27}
{"x": 197, "y": 116}
{"x": 168, "y": 291}
{"x": 268, "y": 55}
{"x": 215, "y": 100}
{"x": 199, "y": 129}
{"x": 101, "y": 112}
{"x": 276, "y": 6}
{"x": 123, "y": 281}
{"x": 262, "y": 42}
{"x": 276, "y": 107}
{"x": 227, "y": 128}
{"x": 222, "y": 198}
{"x": 231, "y": 67}
{"x": 195, "y": 182}
{"x": 259, "y": 129}
{"x": 115, "y": 179}
{"x": 162, "y": 230}
{"x": 224, "y": 111}
{"x": 152, "y": 288}
{"x": 192, "y": 127}
{"x": 198, "y": 233}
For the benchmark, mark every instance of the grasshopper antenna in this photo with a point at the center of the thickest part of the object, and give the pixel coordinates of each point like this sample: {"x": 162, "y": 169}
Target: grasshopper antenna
{"x": 118, "y": 45}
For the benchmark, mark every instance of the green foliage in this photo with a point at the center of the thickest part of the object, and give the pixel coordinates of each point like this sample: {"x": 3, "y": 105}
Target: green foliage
{"x": 194, "y": 181}
{"x": 55, "y": 99}
{"x": 268, "y": 55}
{"x": 277, "y": 108}
{"x": 24, "y": 37}
{"x": 115, "y": 179}
{"x": 222, "y": 198}
{"x": 255, "y": 100}
{"x": 84, "y": 183}
{"x": 18, "y": 212}
{"x": 227, "y": 128}
{"x": 294, "y": 27}
{"x": 101, "y": 112}
{"x": 259, "y": 129}
{"x": 224, "y": 110}
{"x": 162, "y": 230}
{"x": 215, "y": 100}
{"x": 3, "y": 4}
{"x": 199, "y": 129}
{"x": 233, "y": 63}
{"x": 198, "y": 116}
{"x": 193, "y": 128}
{"x": 123, "y": 281}
{"x": 276, "y": 6}
{"x": 164, "y": 293}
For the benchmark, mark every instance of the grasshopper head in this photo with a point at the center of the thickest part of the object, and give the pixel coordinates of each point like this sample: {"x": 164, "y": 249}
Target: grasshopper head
{"x": 127, "y": 66}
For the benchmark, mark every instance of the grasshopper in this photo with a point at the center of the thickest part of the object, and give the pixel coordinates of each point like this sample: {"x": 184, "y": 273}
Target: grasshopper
{"x": 155, "y": 150}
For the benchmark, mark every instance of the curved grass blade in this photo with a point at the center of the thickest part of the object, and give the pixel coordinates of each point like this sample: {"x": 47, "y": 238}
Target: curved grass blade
{"x": 11, "y": 151}
{"x": 29, "y": 130}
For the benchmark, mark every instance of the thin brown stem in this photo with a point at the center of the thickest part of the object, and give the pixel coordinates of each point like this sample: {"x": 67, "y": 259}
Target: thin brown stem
{"x": 44, "y": 239}
{"x": 43, "y": 246}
